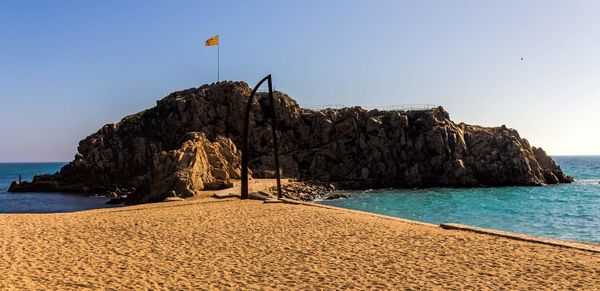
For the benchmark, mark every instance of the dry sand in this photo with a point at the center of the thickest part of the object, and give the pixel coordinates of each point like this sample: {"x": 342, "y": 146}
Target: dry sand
{"x": 203, "y": 244}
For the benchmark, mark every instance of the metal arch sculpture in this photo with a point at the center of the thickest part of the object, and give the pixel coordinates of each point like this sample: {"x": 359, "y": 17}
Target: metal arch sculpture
{"x": 244, "y": 194}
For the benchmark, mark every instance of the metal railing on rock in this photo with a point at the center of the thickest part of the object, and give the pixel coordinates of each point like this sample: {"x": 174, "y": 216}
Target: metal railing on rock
{"x": 403, "y": 107}
{"x": 322, "y": 107}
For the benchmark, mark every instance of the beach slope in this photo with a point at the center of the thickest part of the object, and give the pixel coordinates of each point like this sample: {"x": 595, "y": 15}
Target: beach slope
{"x": 206, "y": 243}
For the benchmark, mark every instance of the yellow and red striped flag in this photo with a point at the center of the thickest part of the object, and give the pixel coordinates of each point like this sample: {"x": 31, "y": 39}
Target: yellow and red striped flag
{"x": 212, "y": 41}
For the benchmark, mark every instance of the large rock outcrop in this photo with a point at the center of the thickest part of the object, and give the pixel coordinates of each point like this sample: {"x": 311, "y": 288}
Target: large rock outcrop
{"x": 188, "y": 142}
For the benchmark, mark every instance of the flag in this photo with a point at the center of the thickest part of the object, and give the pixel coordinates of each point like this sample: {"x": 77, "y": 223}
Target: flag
{"x": 212, "y": 41}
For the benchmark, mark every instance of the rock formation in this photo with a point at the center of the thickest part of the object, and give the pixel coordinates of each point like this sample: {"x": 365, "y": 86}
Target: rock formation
{"x": 307, "y": 192}
{"x": 189, "y": 140}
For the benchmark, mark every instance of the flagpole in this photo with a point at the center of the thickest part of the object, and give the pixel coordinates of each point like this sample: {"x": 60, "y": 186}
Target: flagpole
{"x": 218, "y": 61}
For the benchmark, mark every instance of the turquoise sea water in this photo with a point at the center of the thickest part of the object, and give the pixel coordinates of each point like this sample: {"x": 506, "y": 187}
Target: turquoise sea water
{"x": 39, "y": 202}
{"x": 567, "y": 211}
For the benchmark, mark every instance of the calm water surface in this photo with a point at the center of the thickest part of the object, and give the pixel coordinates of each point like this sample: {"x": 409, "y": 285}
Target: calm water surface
{"x": 567, "y": 211}
{"x": 40, "y": 202}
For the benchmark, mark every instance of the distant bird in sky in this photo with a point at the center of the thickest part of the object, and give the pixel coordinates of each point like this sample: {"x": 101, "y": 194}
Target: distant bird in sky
{"x": 521, "y": 59}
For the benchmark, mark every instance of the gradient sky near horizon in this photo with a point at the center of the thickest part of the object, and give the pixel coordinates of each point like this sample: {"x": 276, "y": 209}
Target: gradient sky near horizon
{"x": 68, "y": 67}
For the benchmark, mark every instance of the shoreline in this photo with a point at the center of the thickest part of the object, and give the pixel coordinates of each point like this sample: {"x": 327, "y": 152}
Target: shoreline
{"x": 580, "y": 245}
{"x": 264, "y": 185}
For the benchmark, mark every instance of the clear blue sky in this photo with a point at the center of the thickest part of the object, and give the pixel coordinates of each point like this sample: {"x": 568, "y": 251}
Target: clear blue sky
{"x": 68, "y": 67}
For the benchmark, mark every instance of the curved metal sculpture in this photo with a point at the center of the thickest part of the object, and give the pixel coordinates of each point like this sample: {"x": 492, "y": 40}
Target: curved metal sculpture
{"x": 244, "y": 194}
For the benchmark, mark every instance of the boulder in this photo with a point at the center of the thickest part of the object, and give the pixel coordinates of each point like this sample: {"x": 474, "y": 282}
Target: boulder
{"x": 197, "y": 165}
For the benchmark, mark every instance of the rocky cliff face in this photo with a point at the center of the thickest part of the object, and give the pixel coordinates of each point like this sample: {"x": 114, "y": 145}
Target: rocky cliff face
{"x": 188, "y": 142}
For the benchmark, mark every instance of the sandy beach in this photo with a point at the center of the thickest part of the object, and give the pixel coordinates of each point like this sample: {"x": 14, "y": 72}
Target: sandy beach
{"x": 228, "y": 244}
